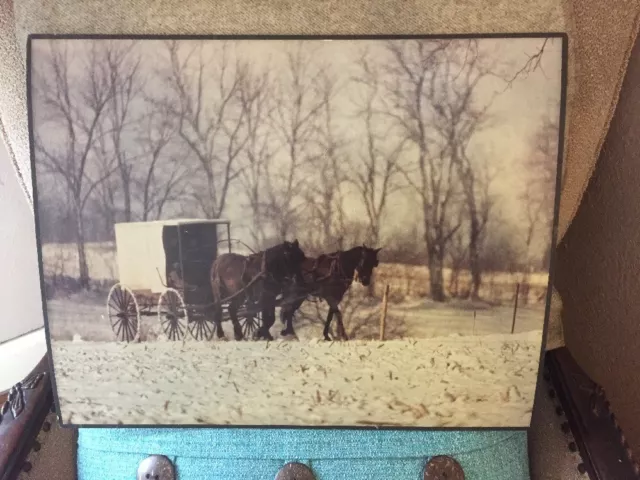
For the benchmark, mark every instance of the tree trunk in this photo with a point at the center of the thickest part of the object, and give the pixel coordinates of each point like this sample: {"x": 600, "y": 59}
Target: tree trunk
{"x": 436, "y": 278}
{"x": 375, "y": 238}
{"x": 83, "y": 268}
{"x": 435, "y": 264}
{"x": 127, "y": 202}
{"x": 453, "y": 281}
{"x": 474, "y": 257}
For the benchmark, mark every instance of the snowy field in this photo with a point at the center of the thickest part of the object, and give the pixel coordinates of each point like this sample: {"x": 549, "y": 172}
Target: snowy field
{"x": 453, "y": 381}
{"x": 454, "y": 364}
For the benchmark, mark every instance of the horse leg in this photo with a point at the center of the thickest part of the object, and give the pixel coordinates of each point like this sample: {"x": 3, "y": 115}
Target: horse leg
{"x": 217, "y": 320}
{"x": 286, "y": 306}
{"x": 286, "y": 314}
{"x": 341, "y": 331}
{"x": 327, "y": 325}
{"x": 268, "y": 318}
{"x": 233, "y": 313}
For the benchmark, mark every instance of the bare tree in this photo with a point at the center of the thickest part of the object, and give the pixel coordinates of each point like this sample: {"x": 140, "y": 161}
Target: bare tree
{"x": 298, "y": 108}
{"x": 326, "y": 169}
{"x": 256, "y": 101}
{"x": 458, "y": 117}
{"x": 209, "y": 122}
{"x": 501, "y": 252}
{"x": 458, "y": 255}
{"x": 122, "y": 64}
{"x": 377, "y": 168}
{"x": 409, "y": 90}
{"x": 74, "y": 98}
{"x": 161, "y": 172}
{"x": 537, "y": 197}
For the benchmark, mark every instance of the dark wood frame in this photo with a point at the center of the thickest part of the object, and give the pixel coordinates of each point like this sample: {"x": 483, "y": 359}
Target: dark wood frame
{"x": 24, "y": 408}
{"x": 590, "y": 421}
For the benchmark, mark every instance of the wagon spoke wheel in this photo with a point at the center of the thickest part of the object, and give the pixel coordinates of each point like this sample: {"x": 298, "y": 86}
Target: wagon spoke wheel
{"x": 250, "y": 322}
{"x": 124, "y": 313}
{"x": 172, "y": 314}
{"x": 202, "y": 328}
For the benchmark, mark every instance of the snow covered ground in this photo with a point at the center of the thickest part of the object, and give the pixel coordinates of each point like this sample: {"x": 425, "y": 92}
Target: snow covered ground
{"x": 453, "y": 381}
{"x": 453, "y": 364}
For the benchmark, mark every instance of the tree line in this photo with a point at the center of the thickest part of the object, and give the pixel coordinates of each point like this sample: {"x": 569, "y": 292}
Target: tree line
{"x": 119, "y": 138}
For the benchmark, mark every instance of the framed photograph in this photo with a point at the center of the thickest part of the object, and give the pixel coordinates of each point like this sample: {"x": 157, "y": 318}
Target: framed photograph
{"x": 296, "y": 231}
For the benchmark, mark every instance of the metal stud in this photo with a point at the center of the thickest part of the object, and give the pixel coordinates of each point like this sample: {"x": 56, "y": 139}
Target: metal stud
{"x": 443, "y": 468}
{"x": 295, "y": 471}
{"x": 156, "y": 467}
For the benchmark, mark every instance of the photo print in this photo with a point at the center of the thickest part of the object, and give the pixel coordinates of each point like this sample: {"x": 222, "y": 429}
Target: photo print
{"x": 274, "y": 231}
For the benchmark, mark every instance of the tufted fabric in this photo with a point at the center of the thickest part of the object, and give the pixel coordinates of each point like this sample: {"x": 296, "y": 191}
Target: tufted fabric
{"x": 257, "y": 454}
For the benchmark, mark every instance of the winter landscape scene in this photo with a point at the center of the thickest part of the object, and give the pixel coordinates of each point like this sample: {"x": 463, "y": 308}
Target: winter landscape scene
{"x": 296, "y": 232}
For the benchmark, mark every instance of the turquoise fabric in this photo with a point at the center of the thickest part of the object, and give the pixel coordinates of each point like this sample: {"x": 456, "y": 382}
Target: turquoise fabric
{"x": 257, "y": 454}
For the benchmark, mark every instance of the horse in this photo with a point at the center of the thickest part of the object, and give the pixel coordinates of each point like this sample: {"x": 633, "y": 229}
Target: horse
{"x": 255, "y": 279}
{"x": 328, "y": 277}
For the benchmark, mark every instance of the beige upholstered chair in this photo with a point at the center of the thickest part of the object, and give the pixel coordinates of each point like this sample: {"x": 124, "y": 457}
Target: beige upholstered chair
{"x": 598, "y": 322}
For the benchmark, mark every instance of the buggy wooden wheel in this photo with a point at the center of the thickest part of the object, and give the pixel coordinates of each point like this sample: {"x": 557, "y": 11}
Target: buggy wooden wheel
{"x": 250, "y": 323}
{"x": 172, "y": 314}
{"x": 201, "y": 327}
{"x": 124, "y": 313}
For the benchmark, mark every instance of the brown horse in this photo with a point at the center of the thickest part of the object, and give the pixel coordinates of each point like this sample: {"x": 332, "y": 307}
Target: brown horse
{"x": 254, "y": 280}
{"x": 328, "y": 277}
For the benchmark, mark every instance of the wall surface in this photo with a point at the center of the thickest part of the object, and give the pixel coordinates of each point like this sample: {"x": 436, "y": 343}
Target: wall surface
{"x": 598, "y": 272}
{"x": 21, "y": 306}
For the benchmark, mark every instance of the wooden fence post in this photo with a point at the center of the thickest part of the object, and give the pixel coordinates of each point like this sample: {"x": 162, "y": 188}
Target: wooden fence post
{"x": 474, "y": 321}
{"x": 515, "y": 308}
{"x": 383, "y": 315}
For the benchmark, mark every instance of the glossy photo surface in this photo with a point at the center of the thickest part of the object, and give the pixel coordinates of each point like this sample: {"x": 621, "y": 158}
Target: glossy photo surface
{"x": 346, "y": 232}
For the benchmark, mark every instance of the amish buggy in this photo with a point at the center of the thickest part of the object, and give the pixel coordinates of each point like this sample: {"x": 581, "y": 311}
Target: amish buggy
{"x": 328, "y": 277}
{"x": 172, "y": 269}
{"x": 164, "y": 269}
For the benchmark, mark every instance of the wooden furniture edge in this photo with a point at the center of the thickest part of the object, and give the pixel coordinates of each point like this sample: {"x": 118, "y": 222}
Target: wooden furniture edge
{"x": 23, "y": 409}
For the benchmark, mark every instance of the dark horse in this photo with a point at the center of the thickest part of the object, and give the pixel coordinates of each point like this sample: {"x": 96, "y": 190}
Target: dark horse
{"x": 254, "y": 280}
{"x": 328, "y": 277}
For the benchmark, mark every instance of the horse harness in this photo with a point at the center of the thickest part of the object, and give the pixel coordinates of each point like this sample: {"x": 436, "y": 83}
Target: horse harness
{"x": 334, "y": 267}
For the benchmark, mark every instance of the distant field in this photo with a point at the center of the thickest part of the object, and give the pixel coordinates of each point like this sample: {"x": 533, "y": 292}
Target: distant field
{"x": 85, "y": 315}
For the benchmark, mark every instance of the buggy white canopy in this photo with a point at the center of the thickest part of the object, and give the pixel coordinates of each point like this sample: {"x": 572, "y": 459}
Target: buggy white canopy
{"x": 141, "y": 256}
{"x": 163, "y": 271}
